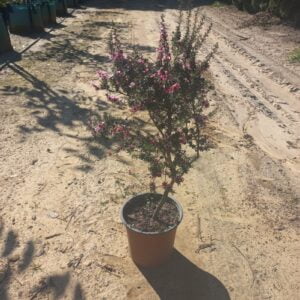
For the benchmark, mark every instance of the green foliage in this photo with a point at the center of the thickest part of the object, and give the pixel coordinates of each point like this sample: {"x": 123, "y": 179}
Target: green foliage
{"x": 286, "y": 9}
{"x": 3, "y": 3}
{"x": 295, "y": 56}
{"x": 171, "y": 90}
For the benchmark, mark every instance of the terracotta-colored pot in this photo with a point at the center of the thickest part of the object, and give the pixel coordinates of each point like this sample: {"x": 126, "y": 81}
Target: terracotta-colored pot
{"x": 150, "y": 249}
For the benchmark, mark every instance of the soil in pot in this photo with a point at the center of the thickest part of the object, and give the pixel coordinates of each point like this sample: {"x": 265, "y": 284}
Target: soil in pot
{"x": 138, "y": 214}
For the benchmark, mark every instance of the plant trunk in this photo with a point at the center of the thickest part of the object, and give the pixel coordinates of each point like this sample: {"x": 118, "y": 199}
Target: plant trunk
{"x": 160, "y": 204}
{"x": 163, "y": 200}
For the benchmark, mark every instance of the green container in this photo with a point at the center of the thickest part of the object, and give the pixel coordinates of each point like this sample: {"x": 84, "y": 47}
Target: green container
{"x": 36, "y": 17}
{"x": 48, "y": 9}
{"x": 19, "y": 19}
{"x": 52, "y": 11}
{"x": 61, "y": 8}
{"x": 5, "y": 44}
{"x": 45, "y": 13}
{"x": 72, "y": 3}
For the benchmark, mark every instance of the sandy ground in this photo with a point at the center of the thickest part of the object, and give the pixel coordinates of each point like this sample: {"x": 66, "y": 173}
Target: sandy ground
{"x": 61, "y": 191}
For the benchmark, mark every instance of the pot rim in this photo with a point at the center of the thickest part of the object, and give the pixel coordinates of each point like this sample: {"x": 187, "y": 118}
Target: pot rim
{"x": 178, "y": 205}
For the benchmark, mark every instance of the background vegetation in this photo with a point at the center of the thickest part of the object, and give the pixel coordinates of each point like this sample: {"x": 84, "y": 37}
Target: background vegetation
{"x": 286, "y": 9}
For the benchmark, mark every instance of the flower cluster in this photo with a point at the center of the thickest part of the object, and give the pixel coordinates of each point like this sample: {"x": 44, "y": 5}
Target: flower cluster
{"x": 171, "y": 90}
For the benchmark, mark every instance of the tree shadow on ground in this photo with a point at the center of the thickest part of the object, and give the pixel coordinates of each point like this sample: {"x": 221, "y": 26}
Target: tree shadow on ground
{"x": 181, "y": 279}
{"x": 57, "y": 286}
{"x": 69, "y": 51}
{"x": 10, "y": 268}
{"x": 9, "y": 243}
{"x": 147, "y": 5}
{"x": 73, "y": 46}
{"x": 59, "y": 108}
{"x": 54, "y": 109}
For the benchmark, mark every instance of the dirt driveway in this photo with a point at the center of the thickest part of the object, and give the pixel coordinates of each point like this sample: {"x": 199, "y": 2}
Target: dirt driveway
{"x": 61, "y": 236}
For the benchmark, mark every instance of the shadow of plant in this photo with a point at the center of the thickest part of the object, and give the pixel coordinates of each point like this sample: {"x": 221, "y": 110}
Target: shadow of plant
{"x": 181, "y": 279}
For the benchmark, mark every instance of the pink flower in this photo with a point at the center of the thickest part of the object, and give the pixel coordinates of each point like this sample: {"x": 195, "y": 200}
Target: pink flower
{"x": 132, "y": 85}
{"x": 186, "y": 66}
{"x": 118, "y": 55}
{"x": 121, "y": 129}
{"x": 163, "y": 75}
{"x": 113, "y": 99}
{"x": 136, "y": 108}
{"x": 173, "y": 88}
{"x": 103, "y": 74}
{"x": 163, "y": 51}
{"x": 100, "y": 127}
{"x": 182, "y": 139}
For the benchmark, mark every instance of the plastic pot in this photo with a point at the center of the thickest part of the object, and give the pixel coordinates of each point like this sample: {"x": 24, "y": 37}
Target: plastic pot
{"x": 72, "y": 3}
{"x": 36, "y": 17}
{"x": 19, "y": 19}
{"x": 61, "y": 8}
{"x": 45, "y": 13}
{"x": 150, "y": 249}
{"x": 52, "y": 11}
{"x": 5, "y": 44}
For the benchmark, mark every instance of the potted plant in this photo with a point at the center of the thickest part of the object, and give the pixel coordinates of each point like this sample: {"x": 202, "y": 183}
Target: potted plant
{"x": 171, "y": 92}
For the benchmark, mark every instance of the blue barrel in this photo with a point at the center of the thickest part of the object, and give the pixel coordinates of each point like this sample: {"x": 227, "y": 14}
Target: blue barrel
{"x": 19, "y": 19}
{"x": 5, "y": 44}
